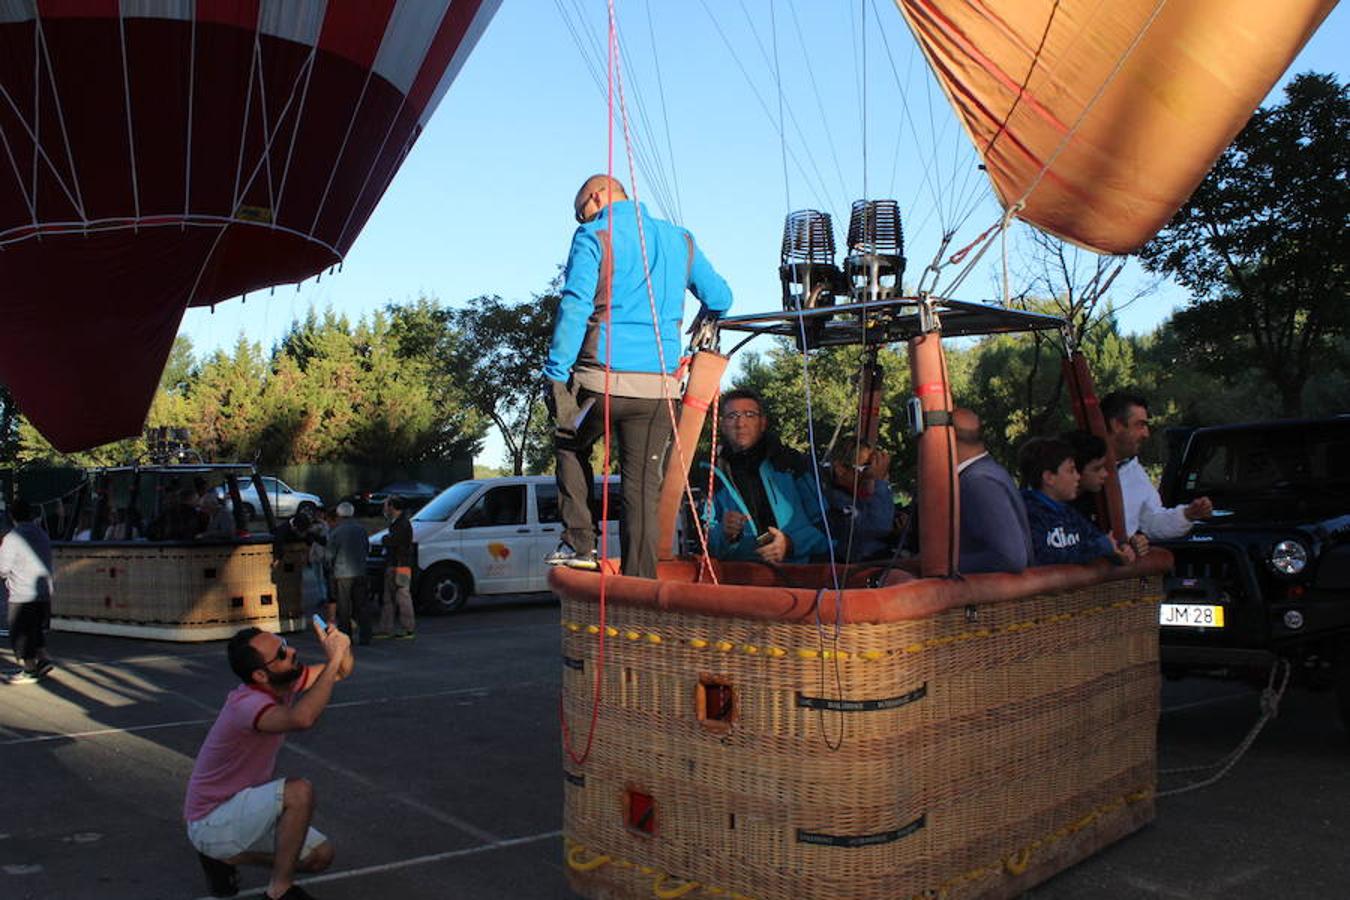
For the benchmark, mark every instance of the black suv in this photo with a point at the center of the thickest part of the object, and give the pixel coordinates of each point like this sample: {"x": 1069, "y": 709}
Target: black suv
{"x": 1268, "y": 575}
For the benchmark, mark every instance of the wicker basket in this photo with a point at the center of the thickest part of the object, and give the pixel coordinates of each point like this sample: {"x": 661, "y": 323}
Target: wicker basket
{"x": 968, "y": 753}
{"x": 182, "y": 592}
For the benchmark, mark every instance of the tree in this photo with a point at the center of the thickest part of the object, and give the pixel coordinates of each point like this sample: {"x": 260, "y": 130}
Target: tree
{"x": 1262, "y": 244}
{"x": 502, "y": 347}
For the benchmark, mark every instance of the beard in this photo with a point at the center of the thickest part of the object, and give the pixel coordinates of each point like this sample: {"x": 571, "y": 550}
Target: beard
{"x": 284, "y": 679}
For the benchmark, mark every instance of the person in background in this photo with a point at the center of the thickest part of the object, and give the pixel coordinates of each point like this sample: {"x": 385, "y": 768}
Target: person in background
{"x": 348, "y": 547}
{"x": 317, "y": 538}
{"x": 26, "y": 570}
{"x": 619, "y": 280}
{"x": 765, "y": 506}
{"x": 1126, "y": 417}
{"x": 1060, "y": 533}
{"x": 995, "y": 536}
{"x": 861, "y": 510}
{"x": 219, "y": 520}
{"x": 398, "y": 543}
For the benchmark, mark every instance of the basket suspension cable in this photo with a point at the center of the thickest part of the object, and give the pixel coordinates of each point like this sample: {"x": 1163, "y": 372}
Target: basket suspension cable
{"x": 580, "y": 759}
{"x": 667, "y": 400}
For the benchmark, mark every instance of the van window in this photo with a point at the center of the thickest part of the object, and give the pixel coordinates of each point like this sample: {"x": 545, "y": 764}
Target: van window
{"x": 546, "y": 503}
{"x": 503, "y": 505}
{"x": 449, "y": 500}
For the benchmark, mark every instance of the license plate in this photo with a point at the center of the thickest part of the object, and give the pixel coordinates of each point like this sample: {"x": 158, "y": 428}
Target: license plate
{"x": 1191, "y": 615}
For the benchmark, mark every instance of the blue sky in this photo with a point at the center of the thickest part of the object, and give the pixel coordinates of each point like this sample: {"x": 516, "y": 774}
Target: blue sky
{"x": 483, "y": 203}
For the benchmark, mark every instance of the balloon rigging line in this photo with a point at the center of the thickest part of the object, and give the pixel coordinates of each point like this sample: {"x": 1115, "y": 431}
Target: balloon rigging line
{"x": 665, "y": 116}
{"x": 295, "y": 130}
{"x": 265, "y": 158}
{"x": 40, "y": 42}
{"x": 38, "y": 150}
{"x": 815, "y": 90}
{"x": 1026, "y": 80}
{"x": 863, "y": 34}
{"x": 243, "y": 122}
{"x": 193, "y": 220}
{"x": 191, "y": 92}
{"x": 791, "y": 113}
{"x": 342, "y": 151}
{"x": 764, "y": 107}
{"x": 1073, "y": 130}
{"x": 14, "y": 164}
{"x": 782, "y": 138}
{"x": 131, "y": 136}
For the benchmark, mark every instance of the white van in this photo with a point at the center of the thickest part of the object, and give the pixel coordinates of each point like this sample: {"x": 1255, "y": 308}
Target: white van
{"x": 489, "y": 536}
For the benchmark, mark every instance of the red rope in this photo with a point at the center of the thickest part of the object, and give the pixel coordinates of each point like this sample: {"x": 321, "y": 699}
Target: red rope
{"x": 580, "y": 760}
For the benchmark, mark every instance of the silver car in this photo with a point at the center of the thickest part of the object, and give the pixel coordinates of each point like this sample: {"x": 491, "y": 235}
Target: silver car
{"x": 285, "y": 500}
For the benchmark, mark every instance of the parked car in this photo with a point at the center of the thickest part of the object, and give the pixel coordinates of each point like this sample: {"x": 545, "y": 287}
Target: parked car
{"x": 486, "y": 536}
{"x": 285, "y": 500}
{"x": 371, "y": 503}
{"x": 1268, "y": 575}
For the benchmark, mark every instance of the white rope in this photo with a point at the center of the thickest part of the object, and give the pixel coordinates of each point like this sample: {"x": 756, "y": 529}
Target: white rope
{"x": 196, "y": 220}
{"x": 243, "y": 125}
{"x": 18, "y": 176}
{"x": 265, "y": 159}
{"x": 374, "y": 163}
{"x": 131, "y": 137}
{"x": 192, "y": 90}
{"x": 60, "y": 117}
{"x": 295, "y": 130}
{"x": 1068, "y": 135}
{"x": 37, "y": 115}
{"x": 342, "y": 151}
{"x": 38, "y": 150}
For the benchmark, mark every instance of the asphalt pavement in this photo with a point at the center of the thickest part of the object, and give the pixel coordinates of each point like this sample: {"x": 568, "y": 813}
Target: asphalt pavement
{"x": 437, "y": 773}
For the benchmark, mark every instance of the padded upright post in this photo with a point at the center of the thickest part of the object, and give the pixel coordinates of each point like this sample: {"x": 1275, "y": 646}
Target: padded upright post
{"x": 938, "y": 497}
{"x": 705, "y": 375}
{"x": 1088, "y": 413}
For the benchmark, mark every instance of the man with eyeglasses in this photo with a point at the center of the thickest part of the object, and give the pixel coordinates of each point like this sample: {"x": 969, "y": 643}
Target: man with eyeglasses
{"x": 605, "y": 342}
{"x": 237, "y": 812}
{"x": 765, "y": 505}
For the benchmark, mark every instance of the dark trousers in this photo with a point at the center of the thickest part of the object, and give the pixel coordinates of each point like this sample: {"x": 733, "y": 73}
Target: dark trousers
{"x": 28, "y": 630}
{"x": 642, "y": 427}
{"x": 352, "y": 598}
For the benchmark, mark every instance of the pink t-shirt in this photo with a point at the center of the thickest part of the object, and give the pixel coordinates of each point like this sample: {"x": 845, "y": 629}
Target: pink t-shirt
{"x": 235, "y": 754}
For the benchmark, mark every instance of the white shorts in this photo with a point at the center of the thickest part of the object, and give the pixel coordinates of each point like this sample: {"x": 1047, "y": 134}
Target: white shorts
{"x": 246, "y": 823}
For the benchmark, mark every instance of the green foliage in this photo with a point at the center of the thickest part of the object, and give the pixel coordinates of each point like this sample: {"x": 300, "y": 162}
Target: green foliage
{"x": 1262, "y": 246}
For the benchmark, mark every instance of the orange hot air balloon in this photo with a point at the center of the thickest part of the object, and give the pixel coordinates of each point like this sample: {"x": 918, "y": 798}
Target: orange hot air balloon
{"x": 1102, "y": 117}
{"x": 160, "y": 154}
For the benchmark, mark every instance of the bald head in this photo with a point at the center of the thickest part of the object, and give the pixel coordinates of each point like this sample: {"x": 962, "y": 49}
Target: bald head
{"x": 596, "y": 193}
{"x": 966, "y": 425}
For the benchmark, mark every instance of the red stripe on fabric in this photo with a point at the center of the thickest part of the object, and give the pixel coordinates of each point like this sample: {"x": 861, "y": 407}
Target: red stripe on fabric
{"x": 241, "y": 13}
{"x": 695, "y": 403}
{"x": 354, "y": 30}
{"x": 78, "y": 9}
{"x": 932, "y": 387}
{"x": 454, "y": 26}
{"x": 260, "y": 715}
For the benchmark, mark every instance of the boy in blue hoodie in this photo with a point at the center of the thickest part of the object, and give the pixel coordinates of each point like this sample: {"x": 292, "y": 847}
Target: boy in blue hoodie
{"x": 1060, "y": 533}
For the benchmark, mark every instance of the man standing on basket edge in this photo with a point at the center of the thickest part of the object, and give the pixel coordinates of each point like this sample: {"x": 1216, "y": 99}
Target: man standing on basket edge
{"x": 237, "y": 812}
{"x": 607, "y": 250}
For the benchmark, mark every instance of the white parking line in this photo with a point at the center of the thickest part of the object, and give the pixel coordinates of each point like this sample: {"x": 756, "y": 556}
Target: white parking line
{"x": 180, "y": 723}
{"x": 414, "y": 861}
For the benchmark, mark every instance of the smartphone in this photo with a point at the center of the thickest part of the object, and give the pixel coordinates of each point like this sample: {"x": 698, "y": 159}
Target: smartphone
{"x": 764, "y": 539}
{"x": 318, "y": 620}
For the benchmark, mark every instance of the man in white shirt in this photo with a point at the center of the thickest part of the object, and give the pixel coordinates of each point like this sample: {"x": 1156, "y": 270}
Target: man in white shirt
{"x": 1126, "y": 418}
{"x": 26, "y": 570}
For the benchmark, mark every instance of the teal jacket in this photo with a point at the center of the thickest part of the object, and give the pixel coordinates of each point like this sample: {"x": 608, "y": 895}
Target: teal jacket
{"x": 791, "y": 489}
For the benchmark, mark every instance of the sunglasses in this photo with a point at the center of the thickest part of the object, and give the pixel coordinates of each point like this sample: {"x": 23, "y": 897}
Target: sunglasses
{"x": 281, "y": 653}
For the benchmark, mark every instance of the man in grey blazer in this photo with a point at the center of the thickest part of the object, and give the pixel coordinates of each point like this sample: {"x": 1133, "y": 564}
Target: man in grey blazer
{"x": 995, "y": 536}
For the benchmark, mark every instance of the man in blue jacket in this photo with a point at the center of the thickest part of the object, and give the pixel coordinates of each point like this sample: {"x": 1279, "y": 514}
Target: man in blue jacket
{"x": 1060, "y": 533}
{"x": 765, "y": 504}
{"x": 605, "y": 288}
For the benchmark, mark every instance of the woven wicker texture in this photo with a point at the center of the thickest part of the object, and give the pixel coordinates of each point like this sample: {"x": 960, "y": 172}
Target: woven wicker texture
{"x": 177, "y": 584}
{"x": 978, "y": 751}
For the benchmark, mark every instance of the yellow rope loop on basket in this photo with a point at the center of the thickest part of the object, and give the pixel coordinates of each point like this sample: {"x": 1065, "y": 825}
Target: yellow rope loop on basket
{"x": 575, "y": 862}
{"x": 1018, "y": 861}
{"x": 670, "y": 893}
